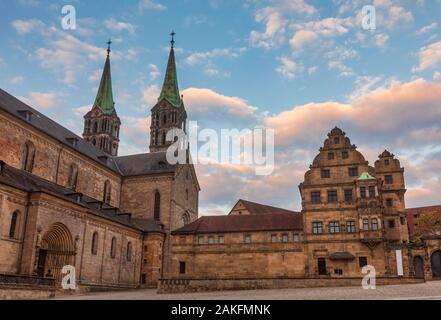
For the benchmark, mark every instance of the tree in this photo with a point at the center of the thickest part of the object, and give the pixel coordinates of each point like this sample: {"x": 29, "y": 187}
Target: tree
{"x": 427, "y": 224}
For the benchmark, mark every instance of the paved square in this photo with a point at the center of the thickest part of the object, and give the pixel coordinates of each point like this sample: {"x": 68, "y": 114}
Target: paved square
{"x": 426, "y": 291}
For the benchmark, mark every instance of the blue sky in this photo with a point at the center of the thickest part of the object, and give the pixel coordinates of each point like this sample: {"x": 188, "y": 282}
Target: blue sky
{"x": 299, "y": 66}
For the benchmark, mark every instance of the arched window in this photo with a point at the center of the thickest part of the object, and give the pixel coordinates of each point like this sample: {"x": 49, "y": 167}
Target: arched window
{"x": 164, "y": 138}
{"x": 94, "y": 247}
{"x": 13, "y": 227}
{"x": 107, "y": 192}
{"x": 28, "y": 155}
{"x": 157, "y": 208}
{"x": 185, "y": 218}
{"x": 374, "y": 224}
{"x": 164, "y": 119}
{"x": 72, "y": 177}
{"x": 113, "y": 248}
{"x": 95, "y": 127}
{"x": 129, "y": 251}
{"x": 94, "y": 141}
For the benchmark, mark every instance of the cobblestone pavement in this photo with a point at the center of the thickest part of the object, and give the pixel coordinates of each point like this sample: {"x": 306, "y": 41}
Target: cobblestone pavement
{"x": 426, "y": 291}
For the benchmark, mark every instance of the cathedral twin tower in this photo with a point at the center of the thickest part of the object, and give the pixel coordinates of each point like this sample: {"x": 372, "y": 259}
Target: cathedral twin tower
{"x": 102, "y": 124}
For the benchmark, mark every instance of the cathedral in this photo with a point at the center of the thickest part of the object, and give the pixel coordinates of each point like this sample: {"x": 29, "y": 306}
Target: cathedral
{"x": 70, "y": 200}
{"x": 128, "y": 222}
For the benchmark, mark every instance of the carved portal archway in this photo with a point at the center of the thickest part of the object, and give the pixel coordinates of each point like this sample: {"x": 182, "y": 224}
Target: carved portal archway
{"x": 56, "y": 251}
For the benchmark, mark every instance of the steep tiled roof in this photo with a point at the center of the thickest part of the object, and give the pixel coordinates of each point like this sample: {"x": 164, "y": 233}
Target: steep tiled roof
{"x": 28, "y": 182}
{"x": 257, "y": 208}
{"x": 246, "y": 223}
{"x": 146, "y": 163}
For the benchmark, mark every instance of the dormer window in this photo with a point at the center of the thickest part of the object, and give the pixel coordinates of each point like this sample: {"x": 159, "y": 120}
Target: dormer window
{"x": 386, "y": 162}
{"x": 72, "y": 141}
{"x": 336, "y": 140}
{"x": 345, "y": 155}
{"x": 331, "y": 156}
{"x": 25, "y": 114}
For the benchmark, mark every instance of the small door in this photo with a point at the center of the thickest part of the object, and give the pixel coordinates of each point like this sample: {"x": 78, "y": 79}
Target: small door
{"x": 418, "y": 265}
{"x": 322, "y": 267}
{"x": 436, "y": 264}
{"x": 41, "y": 263}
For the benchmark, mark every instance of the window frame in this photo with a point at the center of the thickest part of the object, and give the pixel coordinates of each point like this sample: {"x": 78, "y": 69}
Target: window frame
{"x": 14, "y": 224}
{"x": 113, "y": 245}
{"x": 325, "y": 173}
{"x": 317, "y": 227}
{"x": 332, "y": 199}
{"x": 374, "y": 224}
{"x": 366, "y": 226}
{"x": 314, "y": 195}
{"x": 351, "y": 226}
{"x": 334, "y": 227}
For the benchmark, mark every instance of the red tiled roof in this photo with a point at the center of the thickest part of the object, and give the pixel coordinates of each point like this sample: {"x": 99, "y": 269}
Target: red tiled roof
{"x": 412, "y": 212}
{"x": 257, "y": 208}
{"x": 247, "y": 223}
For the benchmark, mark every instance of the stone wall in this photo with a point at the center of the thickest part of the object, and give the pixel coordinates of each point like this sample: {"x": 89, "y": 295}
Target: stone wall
{"x": 53, "y": 159}
{"x": 206, "y": 285}
{"x": 235, "y": 258}
{"x": 11, "y": 200}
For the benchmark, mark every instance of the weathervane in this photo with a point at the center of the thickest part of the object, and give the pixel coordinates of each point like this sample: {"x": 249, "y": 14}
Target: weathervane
{"x": 108, "y": 46}
{"x": 173, "y": 39}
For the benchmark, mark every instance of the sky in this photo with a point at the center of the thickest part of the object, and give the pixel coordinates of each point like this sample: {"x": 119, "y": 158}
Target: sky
{"x": 300, "y": 67}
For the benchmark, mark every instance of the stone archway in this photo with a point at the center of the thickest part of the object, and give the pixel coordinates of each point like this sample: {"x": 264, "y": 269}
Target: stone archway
{"x": 435, "y": 261}
{"x": 57, "y": 250}
{"x": 418, "y": 267}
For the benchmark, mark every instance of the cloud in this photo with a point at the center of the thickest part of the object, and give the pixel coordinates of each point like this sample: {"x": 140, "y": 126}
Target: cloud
{"x": 151, "y": 95}
{"x": 200, "y": 100}
{"x": 427, "y": 29}
{"x": 26, "y": 26}
{"x": 437, "y": 76}
{"x": 429, "y": 56}
{"x": 96, "y": 75}
{"x": 17, "y": 80}
{"x": 40, "y": 100}
{"x": 276, "y": 18}
{"x": 415, "y": 104}
{"x": 154, "y": 72}
{"x": 203, "y": 57}
{"x": 288, "y": 68}
{"x": 302, "y": 38}
{"x": 150, "y": 5}
{"x": 114, "y": 25}
{"x": 381, "y": 40}
{"x": 64, "y": 54}
{"x": 135, "y": 135}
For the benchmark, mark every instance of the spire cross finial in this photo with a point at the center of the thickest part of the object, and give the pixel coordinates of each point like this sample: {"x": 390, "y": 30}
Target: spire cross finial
{"x": 173, "y": 39}
{"x": 108, "y": 46}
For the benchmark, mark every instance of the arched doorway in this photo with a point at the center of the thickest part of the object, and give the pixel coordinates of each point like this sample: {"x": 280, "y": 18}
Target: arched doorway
{"x": 57, "y": 250}
{"x": 418, "y": 266}
{"x": 436, "y": 264}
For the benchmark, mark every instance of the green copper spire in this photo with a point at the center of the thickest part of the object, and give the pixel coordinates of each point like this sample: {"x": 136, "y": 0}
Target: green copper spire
{"x": 170, "y": 89}
{"x": 104, "y": 97}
